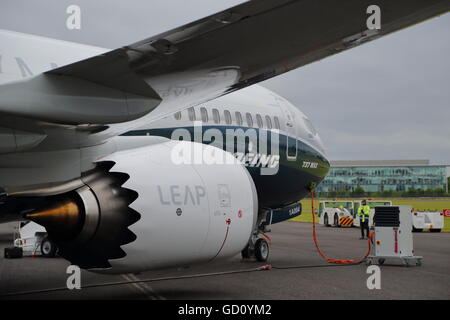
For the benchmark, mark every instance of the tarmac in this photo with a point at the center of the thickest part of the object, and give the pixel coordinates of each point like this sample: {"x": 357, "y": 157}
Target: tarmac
{"x": 307, "y": 275}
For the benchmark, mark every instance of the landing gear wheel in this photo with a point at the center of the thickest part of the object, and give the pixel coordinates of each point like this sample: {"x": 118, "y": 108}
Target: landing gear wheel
{"x": 381, "y": 261}
{"x": 336, "y": 221}
{"x": 261, "y": 250}
{"x": 48, "y": 249}
{"x": 416, "y": 230}
{"x": 245, "y": 253}
{"x": 325, "y": 221}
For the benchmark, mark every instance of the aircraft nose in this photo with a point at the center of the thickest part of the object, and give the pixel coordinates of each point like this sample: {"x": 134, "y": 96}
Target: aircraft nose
{"x": 327, "y": 167}
{"x": 323, "y": 166}
{"x": 321, "y": 157}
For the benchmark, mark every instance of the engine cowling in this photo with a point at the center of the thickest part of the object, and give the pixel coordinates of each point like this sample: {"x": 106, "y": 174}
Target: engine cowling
{"x": 142, "y": 210}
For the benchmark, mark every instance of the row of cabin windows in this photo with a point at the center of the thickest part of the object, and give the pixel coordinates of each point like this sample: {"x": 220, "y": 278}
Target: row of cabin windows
{"x": 204, "y": 116}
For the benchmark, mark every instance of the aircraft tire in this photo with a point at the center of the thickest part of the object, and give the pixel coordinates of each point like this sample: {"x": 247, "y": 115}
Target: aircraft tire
{"x": 48, "y": 248}
{"x": 261, "y": 250}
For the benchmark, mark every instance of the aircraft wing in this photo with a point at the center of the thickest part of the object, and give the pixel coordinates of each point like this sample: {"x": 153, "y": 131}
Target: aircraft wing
{"x": 256, "y": 40}
{"x": 232, "y": 49}
{"x": 54, "y": 125}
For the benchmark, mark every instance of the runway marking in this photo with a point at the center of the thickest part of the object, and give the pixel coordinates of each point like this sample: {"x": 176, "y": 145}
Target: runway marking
{"x": 143, "y": 287}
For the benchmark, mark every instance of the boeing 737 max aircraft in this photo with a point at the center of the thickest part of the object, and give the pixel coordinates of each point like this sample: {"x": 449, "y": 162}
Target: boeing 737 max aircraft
{"x": 90, "y": 139}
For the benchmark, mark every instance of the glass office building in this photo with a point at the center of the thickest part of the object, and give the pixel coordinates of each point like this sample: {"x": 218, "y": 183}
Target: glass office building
{"x": 384, "y": 175}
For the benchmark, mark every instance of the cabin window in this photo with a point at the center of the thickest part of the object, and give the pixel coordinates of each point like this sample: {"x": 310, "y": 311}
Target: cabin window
{"x": 216, "y": 116}
{"x": 249, "y": 119}
{"x": 177, "y": 115}
{"x": 239, "y": 121}
{"x": 259, "y": 121}
{"x": 204, "y": 114}
{"x": 191, "y": 114}
{"x": 277, "y": 123}
{"x": 227, "y": 117}
{"x": 269, "y": 122}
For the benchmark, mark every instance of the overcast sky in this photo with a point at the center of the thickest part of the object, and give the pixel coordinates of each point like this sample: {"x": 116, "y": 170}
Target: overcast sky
{"x": 388, "y": 99}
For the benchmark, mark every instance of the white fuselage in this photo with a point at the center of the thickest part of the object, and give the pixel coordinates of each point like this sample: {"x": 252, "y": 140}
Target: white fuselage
{"x": 223, "y": 203}
{"x": 23, "y": 56}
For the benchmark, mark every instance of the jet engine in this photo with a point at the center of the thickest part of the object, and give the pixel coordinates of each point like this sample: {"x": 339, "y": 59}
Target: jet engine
{"x": 170, "y": 204}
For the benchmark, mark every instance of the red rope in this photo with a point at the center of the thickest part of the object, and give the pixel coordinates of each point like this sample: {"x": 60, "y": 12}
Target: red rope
{"x": 329, "y": 260}
{"x": 228, "y": 222}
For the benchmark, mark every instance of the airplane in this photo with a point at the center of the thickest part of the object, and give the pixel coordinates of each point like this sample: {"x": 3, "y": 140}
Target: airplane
{"x": 90, "y": 138}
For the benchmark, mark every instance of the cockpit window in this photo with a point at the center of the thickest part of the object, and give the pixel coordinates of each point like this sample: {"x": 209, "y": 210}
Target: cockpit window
{"x": 309, "y": 126}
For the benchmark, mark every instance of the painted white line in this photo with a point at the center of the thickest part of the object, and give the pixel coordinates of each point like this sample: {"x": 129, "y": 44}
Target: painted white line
{"x": 137, "y": 287}
{"x": 143, "y": 287}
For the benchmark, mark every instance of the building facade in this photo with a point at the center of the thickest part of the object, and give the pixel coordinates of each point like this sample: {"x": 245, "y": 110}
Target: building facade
{"x": 384, "y": 175}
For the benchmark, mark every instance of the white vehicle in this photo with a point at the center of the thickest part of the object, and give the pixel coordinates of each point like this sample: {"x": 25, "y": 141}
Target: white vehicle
{"x": 335, "y": 212}
{"x": 432, "y": 220}
{"x": 32, "y": 240}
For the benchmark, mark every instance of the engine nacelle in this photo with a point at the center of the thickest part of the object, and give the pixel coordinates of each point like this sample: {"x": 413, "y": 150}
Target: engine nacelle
{"x": 158, "y": 213}
{"x": 189, "y": 213}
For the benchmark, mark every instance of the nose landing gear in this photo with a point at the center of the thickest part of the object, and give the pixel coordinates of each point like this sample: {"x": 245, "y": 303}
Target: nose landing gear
{"x": 259, "y": 250}
{"x": 257, "y": 247}
{"x": 262, "y": 250}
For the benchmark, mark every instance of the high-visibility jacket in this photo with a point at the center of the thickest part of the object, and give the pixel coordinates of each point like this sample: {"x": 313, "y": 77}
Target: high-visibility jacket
{"x": 363, "y": 212}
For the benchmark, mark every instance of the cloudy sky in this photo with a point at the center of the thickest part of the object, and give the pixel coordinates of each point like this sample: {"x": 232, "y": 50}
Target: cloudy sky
{"x": 388, "y": 99}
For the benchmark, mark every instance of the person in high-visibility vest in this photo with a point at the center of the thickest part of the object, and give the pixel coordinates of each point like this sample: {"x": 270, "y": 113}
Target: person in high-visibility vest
{"x": 363, "y": 213}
